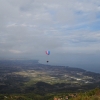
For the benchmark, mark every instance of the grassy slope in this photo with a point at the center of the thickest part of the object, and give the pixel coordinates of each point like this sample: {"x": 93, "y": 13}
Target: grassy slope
{"x": 89, "y": 95}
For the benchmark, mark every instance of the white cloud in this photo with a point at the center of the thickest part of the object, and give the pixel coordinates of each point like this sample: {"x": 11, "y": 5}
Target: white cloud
{"x": 15, "y": 51}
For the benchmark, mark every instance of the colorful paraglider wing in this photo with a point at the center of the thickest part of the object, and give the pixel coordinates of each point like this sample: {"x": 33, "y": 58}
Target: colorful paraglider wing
{"x": 47, "y": 52}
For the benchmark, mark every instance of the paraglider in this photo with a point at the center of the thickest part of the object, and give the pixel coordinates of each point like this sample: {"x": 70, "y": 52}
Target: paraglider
{"x": 48, "y": 53}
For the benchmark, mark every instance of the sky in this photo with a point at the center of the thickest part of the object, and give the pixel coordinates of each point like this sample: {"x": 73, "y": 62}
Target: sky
{"x": 70, "y": 29}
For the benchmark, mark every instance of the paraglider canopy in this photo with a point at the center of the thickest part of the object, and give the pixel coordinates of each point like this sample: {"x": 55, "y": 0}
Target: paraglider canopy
{"x": 47, "y": 52}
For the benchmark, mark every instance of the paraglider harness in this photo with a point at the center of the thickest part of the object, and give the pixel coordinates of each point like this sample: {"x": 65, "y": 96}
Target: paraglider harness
{"x": 47, "y": 61}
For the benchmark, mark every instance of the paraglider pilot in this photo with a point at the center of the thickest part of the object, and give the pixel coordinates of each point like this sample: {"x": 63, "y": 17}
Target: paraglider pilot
{"x": 47, "y": 61}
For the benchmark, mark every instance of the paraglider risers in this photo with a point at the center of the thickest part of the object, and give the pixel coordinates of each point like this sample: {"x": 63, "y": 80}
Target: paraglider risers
{"x": 47, "y": 53}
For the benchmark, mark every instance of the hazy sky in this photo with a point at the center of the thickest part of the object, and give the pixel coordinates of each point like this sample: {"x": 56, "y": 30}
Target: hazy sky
{"x": 70, "y": 29}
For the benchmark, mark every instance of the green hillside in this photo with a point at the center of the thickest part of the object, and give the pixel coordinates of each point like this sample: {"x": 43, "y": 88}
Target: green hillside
{"x": 87, "y": 95}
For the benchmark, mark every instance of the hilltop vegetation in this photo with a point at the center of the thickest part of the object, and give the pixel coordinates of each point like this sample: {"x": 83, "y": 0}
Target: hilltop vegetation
{"x": 87, "y": 95}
